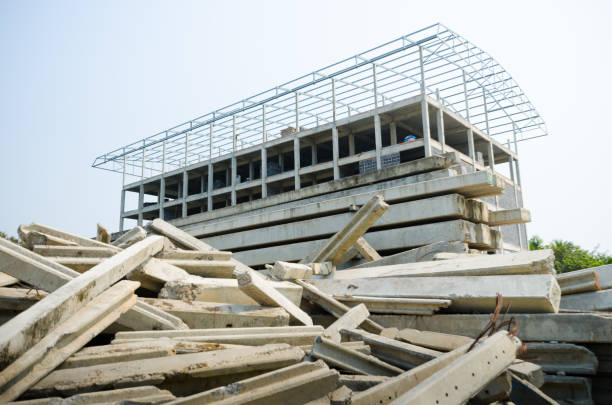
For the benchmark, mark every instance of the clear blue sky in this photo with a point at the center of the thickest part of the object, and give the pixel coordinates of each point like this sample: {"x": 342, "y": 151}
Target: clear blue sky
{"x": 79, "y": 78}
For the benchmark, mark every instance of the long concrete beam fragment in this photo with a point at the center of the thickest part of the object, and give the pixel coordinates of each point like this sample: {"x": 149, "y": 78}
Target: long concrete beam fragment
{"x": 434, "y": 340}
{"x": 366, "y": 251}
{"x": 350, "y": 320}
{"x": 290, "y": 271}
{"x": 564, "y": 357}
{"x": 201, "y": 315}
{"x": 382, "y": 305}
{"x": 64, "y": 340}
{"x": 527, "y": 262}
{"x": 588, "y": 301}
{"x": 570, "y": 328}
{"x": 400, "y": 354}
{"x": 205, "y": 268}
{"x": 509, "y": 217}
{"x": 332, "y": 305}
{"x": 73, "y": 251}
{"x": 47, "y": 275}
{"x": 359, "y": 224}
{"x": 141, "y": 395}
{"x": 79, "y": 240}
{"x": 19, "y": 299}
{"x": 348, "y": 359}
{"x": 467, "y": 375}
{"x": 33, "y": 238}
{"x": 26, "y": 329}
{"x": 93, "y": 355}
{"x": 292, "y": 385}
{"x": 421, "y": 254}
{"x": 264, "y": 293}
{"x": 130, "y": 237}
{"x": 532, "y": 293}
{"x": 180, "y": 254}
{"x": 201, "y": 371}
{"x": 6, "y": 280}
{"x": 580, "y": 281}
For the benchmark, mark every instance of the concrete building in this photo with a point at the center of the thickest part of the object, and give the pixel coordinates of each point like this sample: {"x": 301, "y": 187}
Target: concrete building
{"x": 425, "y": 94}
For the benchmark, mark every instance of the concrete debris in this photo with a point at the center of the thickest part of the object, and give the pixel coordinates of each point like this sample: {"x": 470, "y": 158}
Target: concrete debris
{"x": 392, "y": 283}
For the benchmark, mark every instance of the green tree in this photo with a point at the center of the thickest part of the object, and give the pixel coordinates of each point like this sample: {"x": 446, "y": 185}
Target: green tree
{"x": 569, "y": 256}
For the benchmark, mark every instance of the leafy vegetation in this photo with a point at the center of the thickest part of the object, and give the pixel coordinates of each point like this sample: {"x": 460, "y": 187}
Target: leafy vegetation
{"x": 11, "y": 238}
{"x": 569, "y": 256}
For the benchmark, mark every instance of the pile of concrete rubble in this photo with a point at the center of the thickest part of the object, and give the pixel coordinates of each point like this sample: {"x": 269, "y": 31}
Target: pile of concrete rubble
{"x": 159, "y": 316}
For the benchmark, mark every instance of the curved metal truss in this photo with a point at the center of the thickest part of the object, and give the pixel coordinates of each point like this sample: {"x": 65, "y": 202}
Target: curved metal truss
{"x": 467, "y": 80}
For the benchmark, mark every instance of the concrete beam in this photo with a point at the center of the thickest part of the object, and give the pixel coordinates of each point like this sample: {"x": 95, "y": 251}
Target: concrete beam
{"x": 32, "y": 238}
{"x": 568, "y": 389}
{"x": 332, "y": 305}
{"x": 94, "y": 355}
{"x": 79, "y": 264}
{"x": 180, "y": 254}
{"x": 290, "y": 271}
{"x": 205, "y": 268}
{"x": 73, "y": 251}
{"x": 296, "y": 384}
{"x": 26, "y": 329}
{"x": 65, "y": 339}
{"x": 264, "y": 293}
{"x": 570, "y": 328}
{"x": 562, "y": 357}
{"x": 140, "y": 395}
{"x": 358, "y": 383}
{"x": 433, "y": 340}
{"x": 338, "y": 244}
{"x": 588, "y": 301}
{"x": 196, "y": 288}
{"x": 382, "y": 305}
{"x": 522, "y": 263}
{"x": 130, "y": 237}
{"x": 183, "y": 374}
{"x": 350, "y": 320}
{"x": 6, "y": 280}
{"x": 509, "y": 217}
{"x": 580, "y": 281}
{"x": 203, "y": 315}
{"x": 366, "y": 251}
{"x": 351, "y": 360}
{"x": 19, "y": 299}
{"x": 79, "y": 240}
{"x": 534, "y": 293}
{"x": 253, "y": 336}
{"x": 420, "y": 254}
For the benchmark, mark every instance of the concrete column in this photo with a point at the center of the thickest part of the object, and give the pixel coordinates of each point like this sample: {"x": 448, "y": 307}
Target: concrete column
{"x": 296, "y": 159}
{"x": 264, "y": 172}
{"x": 393, "y": 133}
{"x": 491, "y": 156}
{"x": 351, "y": 140}
{"x": 162, "y": 195}
{"x": 202, "y": 188}
{"x": 440, "y": 123}
{"x": 251, "y": 170}
{"x": 122, "y": 210}
{"x": 209, "y": 192}
{"x": 140, "y": 204}
{"x": 185, "y": 192}
{"x": 233, "y": 161}
{"x": 281, "y": 162}
{"x": 486, "y": 113}
{"x": 378, "y": 141}
{"x": 470, "y": 134}
{"x": 313, "y": 152}
{"x": 424, "y": 109}
{"x": 335, "y": 152}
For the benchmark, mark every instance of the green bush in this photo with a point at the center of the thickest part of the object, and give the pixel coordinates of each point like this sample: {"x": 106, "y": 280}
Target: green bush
{"x": 569, "y": 256}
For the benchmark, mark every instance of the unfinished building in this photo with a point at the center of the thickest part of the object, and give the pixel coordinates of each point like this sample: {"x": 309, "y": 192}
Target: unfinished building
{"x": 429, "y": 119}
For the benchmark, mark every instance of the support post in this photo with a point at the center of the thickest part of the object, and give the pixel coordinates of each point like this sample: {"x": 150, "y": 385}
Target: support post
{"x": 470, "y": 134}
{"x": 440, "y": 122}
{"x": 378, "y": 141}
{"x": 140, "y": 203}
{"x": 122, "y": 210}
{"x": 424, "y": 109}
{"x": 185, "y": 193}
{"x": 264, "y": 155}
{"x": 486, "y": 113}
{"x": 335, "y": 152}
{"x": 393, "y": 132}
{"x": 296, "y": 160}
{"x": 313, "y": 152}
{"x": 233, "y": 161}
{"x": 351, "y": 141}
{"x": 162, "y": 183}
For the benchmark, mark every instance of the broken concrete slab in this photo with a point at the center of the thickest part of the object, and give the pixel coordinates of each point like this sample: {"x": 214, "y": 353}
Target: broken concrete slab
{"x": 73, "y": 251}
{"x": 65, "y": 339}
{"x": 382, "y": 305}
{"x": 26, "y": 329}
{"x": 263, "y": 292}
{"x": 570, "y": 328}
{"x": 525, "y": 293}
{"x": 351, "y": 319}
{"x": 183, "y": 374}
{"x": 420, "y": 254}
{"x": 334, "y": 248}
{"x": 294, "y": 384}
{"x": 525, "y": 263}
{"x": 130, "y": 237}
{"x": 348, "y": 359}
{"x": 332, "y": 305}
{"x": 204, "y": 315}
{"x": 194, "y": 288}
{"x": 588, "y": 301}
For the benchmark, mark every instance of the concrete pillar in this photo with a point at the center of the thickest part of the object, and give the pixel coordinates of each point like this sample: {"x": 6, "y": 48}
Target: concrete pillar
{"x": 185, "y": 192}
{"x": 264, "y": 172}
{"x": 491, "y": 156}
{"x": 202, "y": 180}
{"x": 378, "y": 141}
{"x": 251, "y": 170}
{"x": 470, "y": 134}
{"x": 351, "y": 140}
{"x": 313, "y": 152}
{"x": 162, "y": 196}
{"x": 335, "y": 152}
{"x": 424, "y": 109}
{"x": 470, "y": 139}
{"x": 122, "y": 210}
{"x": 393, "y": 132}
{"x": 440, "y": 123}
{"x": 140, "y": 203}
{"x": 209, "y": 193}
{"x": 281, "y": 163}
{"x": 296, "y": 158}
